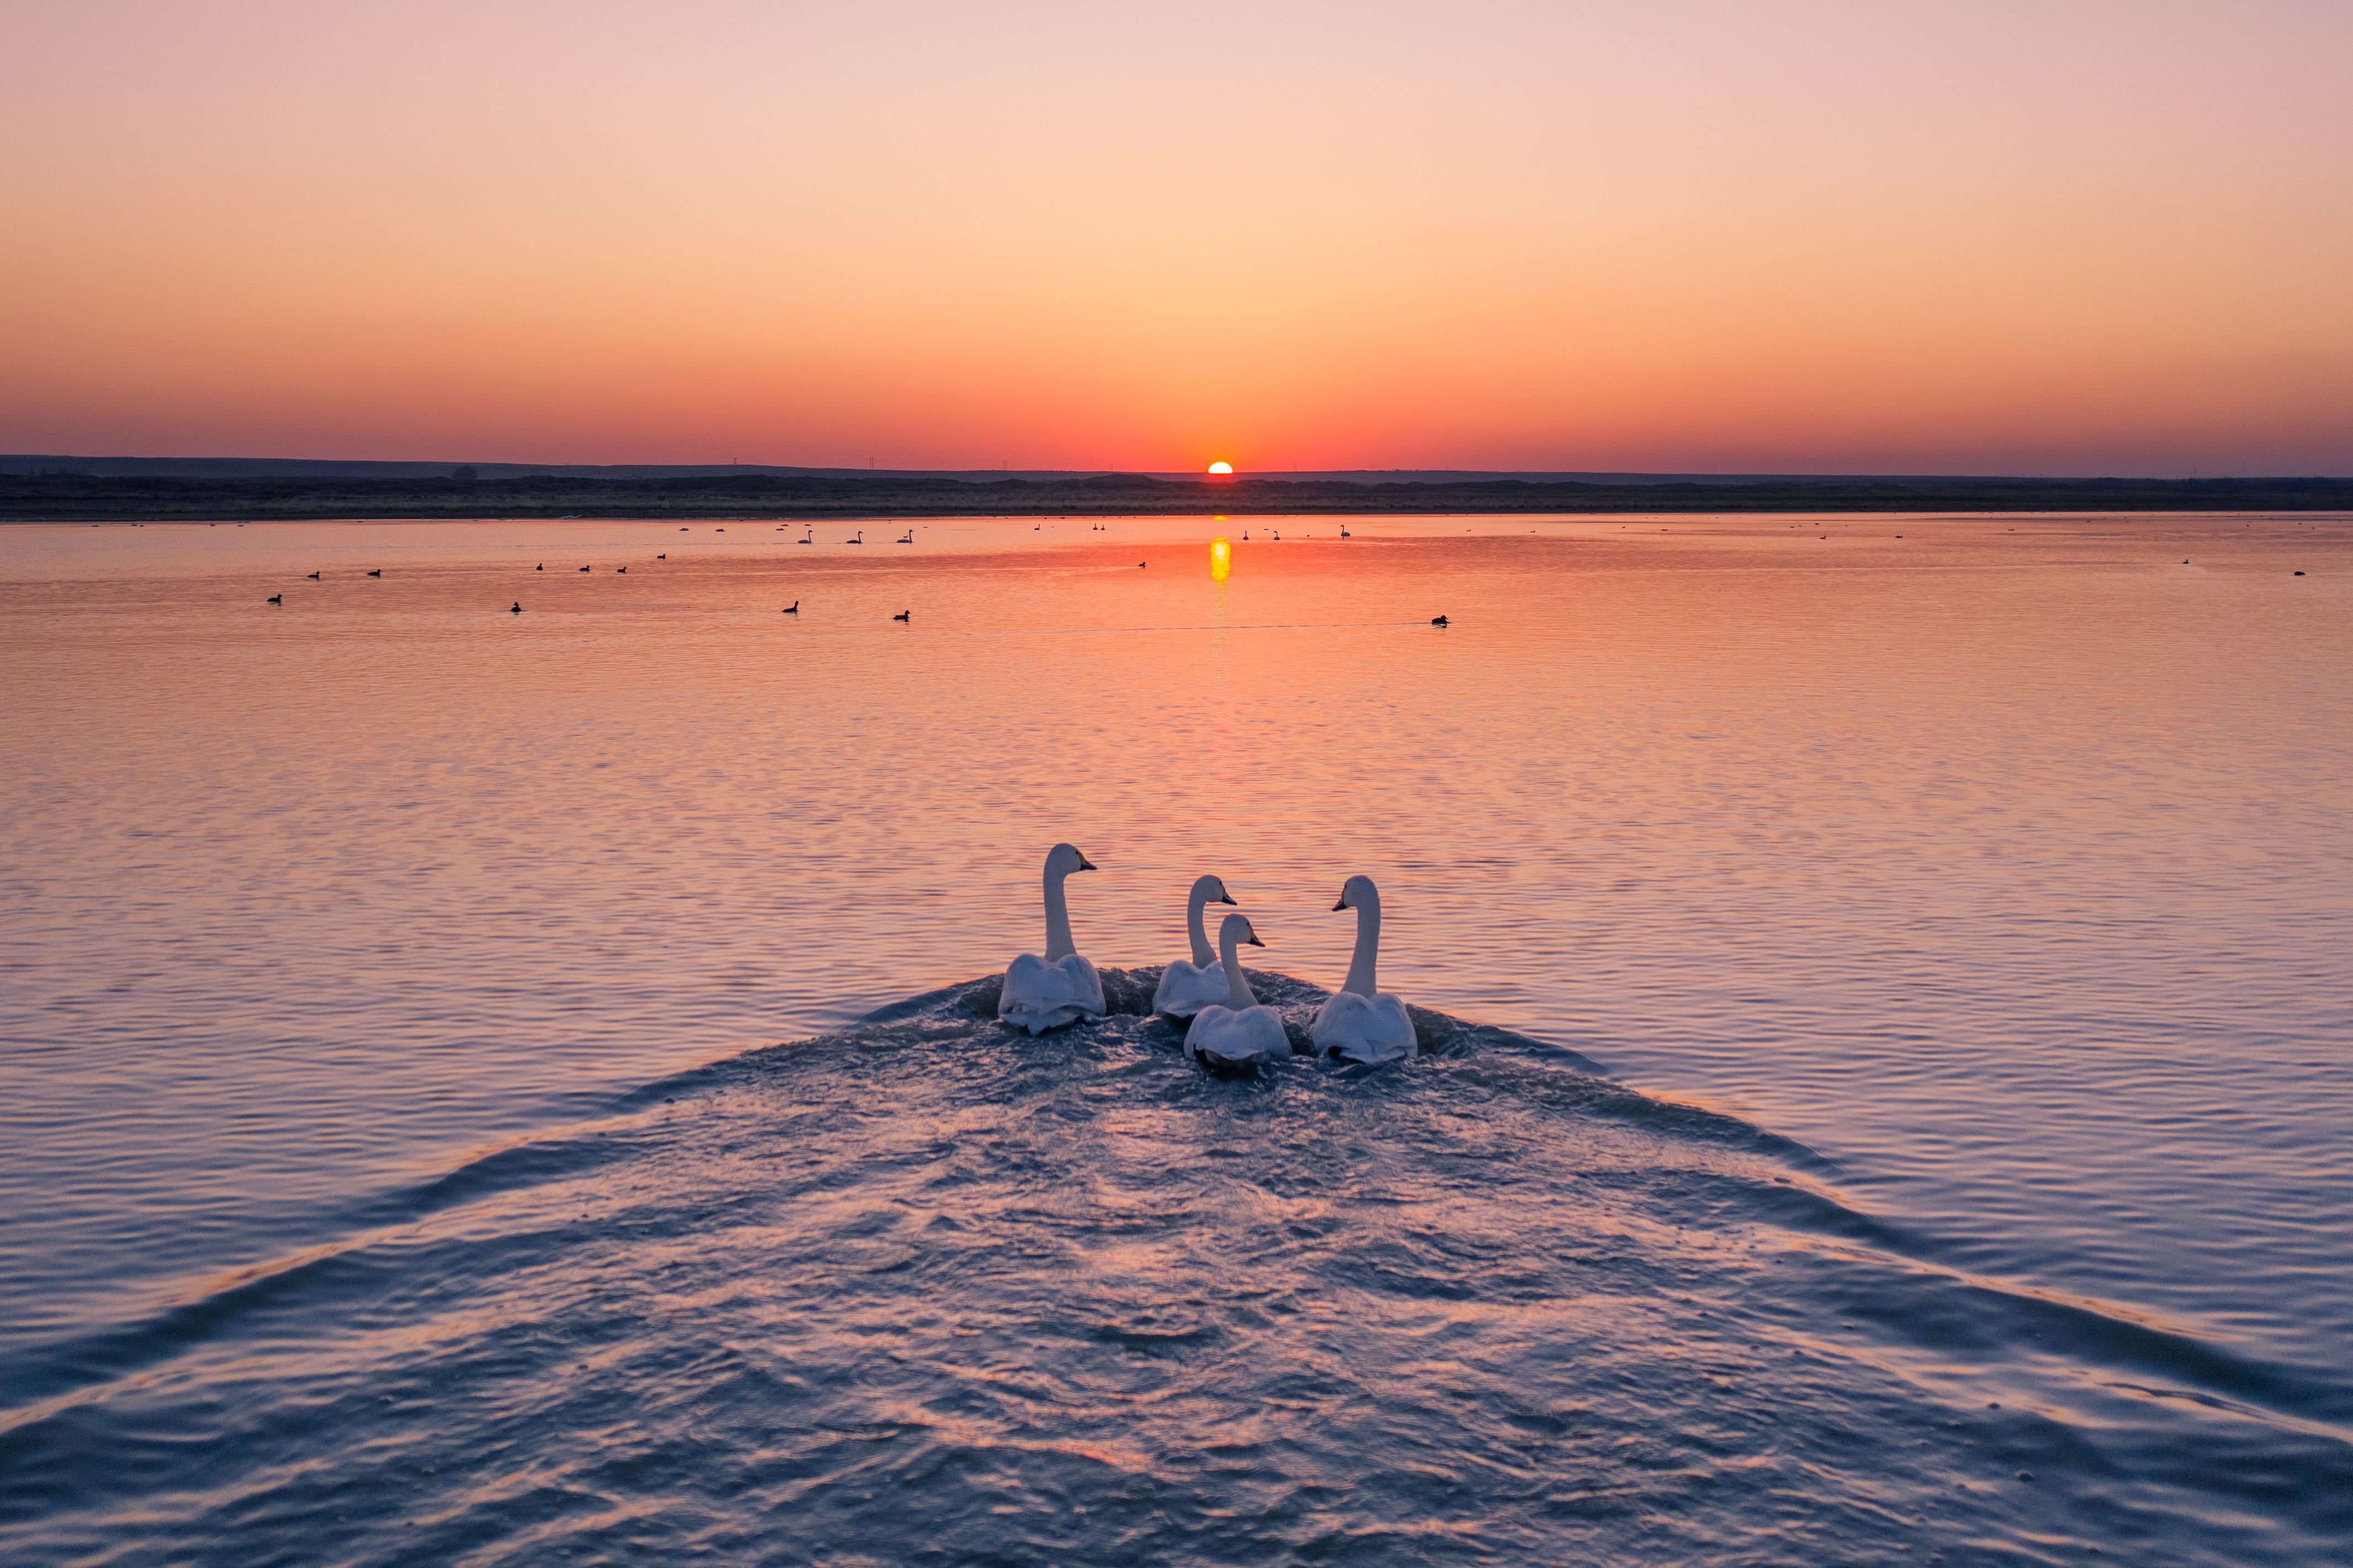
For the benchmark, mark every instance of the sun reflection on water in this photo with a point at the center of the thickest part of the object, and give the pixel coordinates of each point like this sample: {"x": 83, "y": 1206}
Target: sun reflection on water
{"x": 1221, "y": 559}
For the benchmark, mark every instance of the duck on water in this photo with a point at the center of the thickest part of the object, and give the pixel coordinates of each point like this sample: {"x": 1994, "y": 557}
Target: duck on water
{"x": 1239, "y": 1034}
{"x": 1228, "y": 1029}
{"x": 1361, "y": 1021}
{"x": 1187, "y": 987}
{"x": 1042, "y": 993}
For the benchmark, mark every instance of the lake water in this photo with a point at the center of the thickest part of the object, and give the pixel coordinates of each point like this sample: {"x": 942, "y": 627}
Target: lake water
{"x": 1906, "y": 1116}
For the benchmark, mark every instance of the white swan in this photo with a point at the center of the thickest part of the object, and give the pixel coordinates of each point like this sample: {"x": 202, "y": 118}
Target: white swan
{"x": 1042, "y": 993}
{"x": 1187, "y": 988}
{"x": 1359, "y": 1022}
{"x": 1241, "y": 1031}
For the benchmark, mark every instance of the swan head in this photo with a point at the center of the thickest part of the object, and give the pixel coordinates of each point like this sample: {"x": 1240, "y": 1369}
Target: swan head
{"x": 1211, "y": 891}
{"x": 1062, "y": 860}
{"x": 1236, "y": 928}
{"x": 1358, "y": 893}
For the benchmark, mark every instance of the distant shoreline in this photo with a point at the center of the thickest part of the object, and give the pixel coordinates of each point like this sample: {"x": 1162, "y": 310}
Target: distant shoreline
{"x": 102, "y": 497}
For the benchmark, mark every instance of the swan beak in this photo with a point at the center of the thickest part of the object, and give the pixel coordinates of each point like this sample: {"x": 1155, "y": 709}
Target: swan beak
{"x": 1085, "y": 864}
{"x": 1227, "y": 899}
{"x": 1341, "y": 905}
{"x": 1253, "y": 940}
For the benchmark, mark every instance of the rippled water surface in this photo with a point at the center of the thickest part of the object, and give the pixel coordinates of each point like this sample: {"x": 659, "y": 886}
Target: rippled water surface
{"x": 1887, "y": 996}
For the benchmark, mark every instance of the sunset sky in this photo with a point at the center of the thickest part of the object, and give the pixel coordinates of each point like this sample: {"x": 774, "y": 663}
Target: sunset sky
{"x": 2054, "y": 236}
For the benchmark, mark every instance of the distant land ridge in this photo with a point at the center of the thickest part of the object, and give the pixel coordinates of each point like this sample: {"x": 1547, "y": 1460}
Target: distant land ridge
{"x": 66, "y": 489}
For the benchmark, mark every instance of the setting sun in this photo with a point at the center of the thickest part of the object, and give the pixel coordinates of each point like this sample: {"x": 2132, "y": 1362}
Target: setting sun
{"x": 1221, "y": 466}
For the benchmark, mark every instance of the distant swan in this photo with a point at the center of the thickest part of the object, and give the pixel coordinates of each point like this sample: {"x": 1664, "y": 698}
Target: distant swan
{"x": 910, "y": 615}
{"x": 1187, "y": 988}
{"x": 792, "y": 609}
{"x": 1042, "y": 993}
{"x": 1241, "y": 1031}
{"x": 860, "y": 540}
{"x": 1359, "y": 1022}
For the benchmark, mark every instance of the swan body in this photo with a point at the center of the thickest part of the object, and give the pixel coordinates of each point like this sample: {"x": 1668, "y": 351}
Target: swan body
{"x": 1187, "y": 987}
{"x": 1241, "y": 1031}
{"x": 1361, "y": 1021}
{"x": 1042, "y": 993}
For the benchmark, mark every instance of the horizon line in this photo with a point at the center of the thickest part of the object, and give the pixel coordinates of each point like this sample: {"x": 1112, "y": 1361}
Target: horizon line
{"x": 128, "y": 466}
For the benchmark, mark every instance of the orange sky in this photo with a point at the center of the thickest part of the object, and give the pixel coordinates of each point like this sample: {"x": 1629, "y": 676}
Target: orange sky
{"x": 2055, "y": 238}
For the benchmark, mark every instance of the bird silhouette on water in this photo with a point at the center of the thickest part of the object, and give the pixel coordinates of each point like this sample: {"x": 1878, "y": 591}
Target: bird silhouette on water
{"x": 515, "y": 608}
{"x": 584, "y": 569}
{"x": 377, "y": 572}
{"x": 904, "y": 615}
{"x": 540, "y": 567}
{"x": 1438, "y": 620}
{"x": 792, "y": 609}
{"x": 314, "y": 577}
{"x": 277, "y": 598}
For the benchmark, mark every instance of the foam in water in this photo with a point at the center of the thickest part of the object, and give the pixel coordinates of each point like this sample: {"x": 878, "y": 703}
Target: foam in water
{"x": 929, "y": 1288}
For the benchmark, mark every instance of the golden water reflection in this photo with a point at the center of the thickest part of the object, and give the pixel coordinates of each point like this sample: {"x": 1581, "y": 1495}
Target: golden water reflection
{"x": 1221, "y": 559}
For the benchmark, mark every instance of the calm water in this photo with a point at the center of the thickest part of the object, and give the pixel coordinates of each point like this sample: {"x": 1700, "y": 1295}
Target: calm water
{"x": 1908, "y": 1119}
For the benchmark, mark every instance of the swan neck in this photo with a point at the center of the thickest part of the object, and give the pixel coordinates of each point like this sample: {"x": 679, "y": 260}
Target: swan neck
{"x": 1237, "y": 992}
{"x": 1059, "y": 945}
{"x": 1368, "y": 947}
{"x": 1202, "y": 956}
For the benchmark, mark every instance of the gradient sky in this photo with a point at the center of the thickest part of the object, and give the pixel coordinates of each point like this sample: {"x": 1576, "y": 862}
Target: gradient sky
{"x": 2054, "y": 236}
